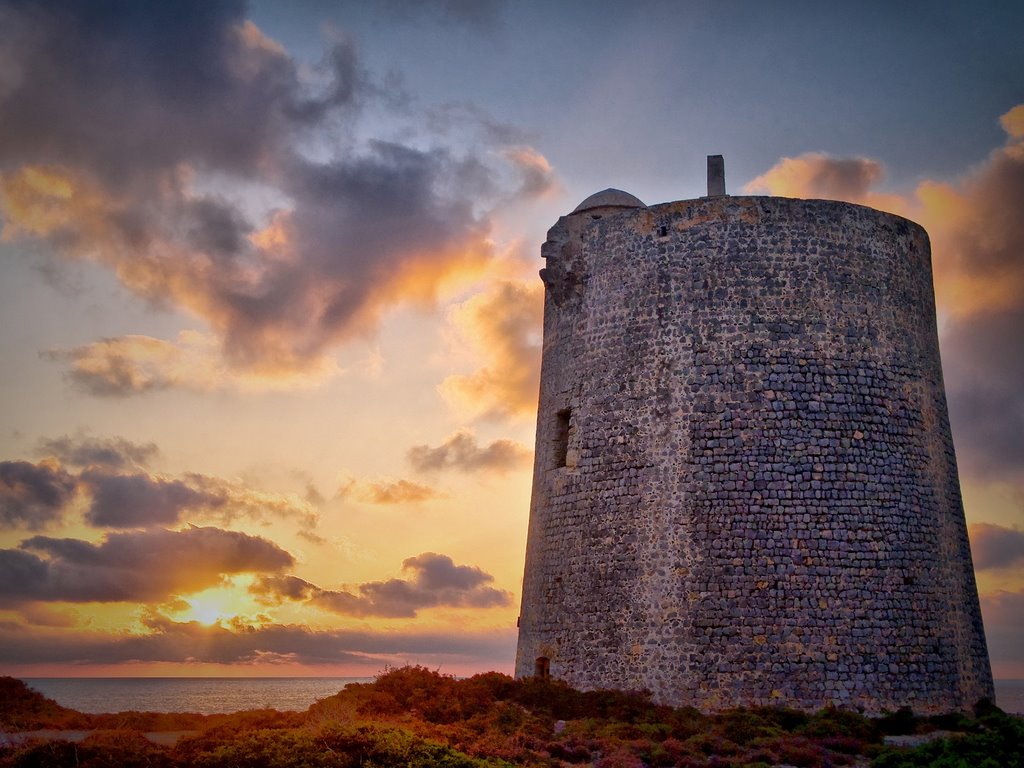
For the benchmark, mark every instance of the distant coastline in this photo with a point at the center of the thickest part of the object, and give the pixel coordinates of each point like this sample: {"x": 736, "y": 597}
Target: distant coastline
{"x": 223, "y": 695}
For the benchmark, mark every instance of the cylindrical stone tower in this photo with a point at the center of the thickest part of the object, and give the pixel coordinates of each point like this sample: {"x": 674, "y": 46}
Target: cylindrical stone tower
{"x": 745, "y": 491}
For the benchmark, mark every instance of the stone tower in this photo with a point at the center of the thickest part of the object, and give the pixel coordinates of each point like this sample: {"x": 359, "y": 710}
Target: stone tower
{"x": 745, "y": 491}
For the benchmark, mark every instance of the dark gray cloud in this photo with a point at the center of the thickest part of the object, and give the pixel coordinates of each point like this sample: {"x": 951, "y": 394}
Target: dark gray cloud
{"x": 435, "y": 581}
{"x": 1003, "y": 614}
{"x": 112, "y": 453}
{"x": 461, "y": 451}
{"x": 984, "y": 369}
{"x": 106, "y": 87}
{"x": 139, "y": 566}
{"x": 983, "y": 348}
{"x": 132, "y": 501}
{"x": 118, "y": 149}
{"x": 995, "y": 546}
{"x": 273, "y": 590}
{"x": 33, "y": 496}
{"x": 171, "y": 641}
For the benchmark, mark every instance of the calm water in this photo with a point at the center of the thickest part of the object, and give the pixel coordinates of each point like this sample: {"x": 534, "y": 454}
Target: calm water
{"x": 208, "y": 695}
{"x": 223, "y": 694}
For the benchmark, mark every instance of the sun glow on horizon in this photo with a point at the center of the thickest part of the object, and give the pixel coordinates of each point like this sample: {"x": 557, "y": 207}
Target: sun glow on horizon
{"x": 224, "y": 604}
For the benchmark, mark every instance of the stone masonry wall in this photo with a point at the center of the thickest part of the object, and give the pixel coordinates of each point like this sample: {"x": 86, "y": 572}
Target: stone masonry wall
{"x": 756, "y": 499}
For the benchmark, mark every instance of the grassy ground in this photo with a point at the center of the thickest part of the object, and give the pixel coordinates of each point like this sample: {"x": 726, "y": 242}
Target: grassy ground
{"x": 418, "y": 718}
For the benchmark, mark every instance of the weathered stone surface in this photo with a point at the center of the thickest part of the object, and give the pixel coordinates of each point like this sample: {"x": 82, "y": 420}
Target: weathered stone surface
{"x": 745, "y": 490}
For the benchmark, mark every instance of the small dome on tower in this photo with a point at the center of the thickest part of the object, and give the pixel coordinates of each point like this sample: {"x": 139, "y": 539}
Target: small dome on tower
{"x": 609, "y": 198}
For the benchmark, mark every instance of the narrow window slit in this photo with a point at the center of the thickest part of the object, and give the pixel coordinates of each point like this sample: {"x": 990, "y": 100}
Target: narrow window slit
{"x": 562, "y": 437}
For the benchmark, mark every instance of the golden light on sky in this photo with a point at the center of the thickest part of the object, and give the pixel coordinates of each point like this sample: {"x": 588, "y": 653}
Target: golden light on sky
{"x": 270, "y": 314}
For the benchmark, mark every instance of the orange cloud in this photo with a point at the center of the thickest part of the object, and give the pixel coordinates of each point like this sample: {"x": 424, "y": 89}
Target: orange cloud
{"x": 1013, "y": 122}
{"x": 975, "y": 226}
{"x": 977, "y": 234}
{"x": 131, "y": 365}
{"x": 537, "y": 177}
{"x": 818, "y": 175}
{"x": 389, "y": 491}
{"x": 461, "y": 451}
{"x": 503, "y": 325}
{"x": 159, "y": 192}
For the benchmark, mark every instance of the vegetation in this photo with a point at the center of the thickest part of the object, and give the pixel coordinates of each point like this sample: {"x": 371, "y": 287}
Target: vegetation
{"x": 415, "y": 717}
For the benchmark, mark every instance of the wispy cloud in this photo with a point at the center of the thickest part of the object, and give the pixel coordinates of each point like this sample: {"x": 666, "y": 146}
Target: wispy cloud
{"x": 996, "y": 546}
{"x": 435, "y": 580}
{"x": 134, "y": 365}
{"x": 398, "y": 491}
{"x": 112, "y": 453}
{"x": 462, "y": 452}
{"x": 503, "y": 325}
{"x": 170, "y": 641}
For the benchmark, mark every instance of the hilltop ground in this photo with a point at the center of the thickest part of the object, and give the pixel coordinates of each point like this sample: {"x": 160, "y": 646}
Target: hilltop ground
{"x": 415, "y": 717}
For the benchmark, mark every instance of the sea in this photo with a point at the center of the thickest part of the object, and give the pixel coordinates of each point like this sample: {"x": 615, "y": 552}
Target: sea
{"x": 210, "y": 695}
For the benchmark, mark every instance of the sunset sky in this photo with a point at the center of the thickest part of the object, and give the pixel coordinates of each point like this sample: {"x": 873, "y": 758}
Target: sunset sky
{"x": 270, "y": 317}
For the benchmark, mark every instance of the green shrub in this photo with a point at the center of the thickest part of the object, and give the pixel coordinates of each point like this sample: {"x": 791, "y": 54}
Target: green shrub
{"x": 743, "y": 726}
{"x": 996, "y": 745}
{"x": 832, "y": 722}
{"x": 899, "y": 723}
{"x": 102, "y": 749}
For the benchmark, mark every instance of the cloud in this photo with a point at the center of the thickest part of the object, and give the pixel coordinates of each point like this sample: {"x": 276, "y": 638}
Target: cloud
{"x": 138, "y": 500}
{"x": 131, "y": 365}
{"x": 273, "y": 590}
{"x": 537, "y": 177}
{"x": 816, "y": 174}
{"x": 983, "y": 356}
{"x": 118, "y": 150}
{"x": 43, "y": 615}
{"x": 995, "y": 546}
{"x": 112, "y": 453}
{"x": 138, "y": 566}
{"x": 1003, "y": 614}
{"x": 391, "y": 492}
{"x": 129, "y": 501}
{"x": 33, "y": 495}
{"x": 169, "y": 641}
{"x": 978, "y": 261}
{"x": 435, "y": 581}
{"x": 1013, "y": 122}
{"x": 503, "y": 325}
{"x": 461, "y": 451}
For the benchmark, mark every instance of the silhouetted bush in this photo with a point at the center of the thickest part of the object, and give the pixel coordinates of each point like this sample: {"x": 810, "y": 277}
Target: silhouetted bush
{"x": 998, "y": 744}
{"x": 24, "y": 709}
{"x": 898, "y": 723}
{"x": 414, "y": 716}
